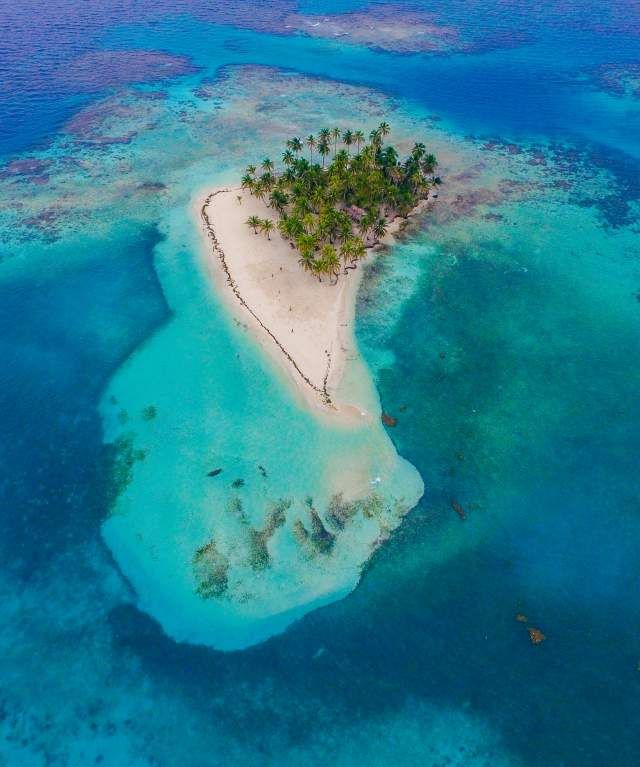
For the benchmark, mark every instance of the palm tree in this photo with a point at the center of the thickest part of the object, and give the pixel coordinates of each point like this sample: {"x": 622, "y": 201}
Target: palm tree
{"x": 323, "y": 148}
{"x": 295, "y": 145}
{"x": 359, "y": 250}
{"x": 366, "y": 223}
{"x": 389, "y": 157}
{"x": 267, "y": 226}
{"x": 278, "y": 200}
{"x": 306, "y": 259}
{"x": 336, "y": 133}
{"x": 317, "y": 269}
{"x": 290, "y": 227}
{"x": 309, "y": 223}
{"x": 311, "y": 142}
{"x": 384, "y": 129}
{"x": 306, "y": 244}
{"x": 325, "y": 134}
{"x": 347, "y": 138}
{"x": 429, "y": 164}
{"x": 358, "y": 137}
{"x": 259, "y": 190}
{"x": 251, "y": 169}
{"x": 288, "y": 157}
{"x": 380, "y": 228}
{"x": 343, "y": 226}
{"x": 330, "y": 262}
{"x": 351, "y": 250}
{"x": 363, "y": 226}
{"x": 267, "y": 181}
{"x": 418, "y": 151}
{"x": 254, "y": 222}
{"x": 267, "y": 165}
{"x": 247, "y": 182}
{"x": 288, "y": 177}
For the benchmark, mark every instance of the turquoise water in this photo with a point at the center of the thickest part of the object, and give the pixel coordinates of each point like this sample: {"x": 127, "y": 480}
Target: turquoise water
{"x": 502, "y": 332}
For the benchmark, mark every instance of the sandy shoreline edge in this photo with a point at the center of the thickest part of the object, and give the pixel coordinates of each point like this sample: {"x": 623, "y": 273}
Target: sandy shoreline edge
{"x": 306, "y": 327}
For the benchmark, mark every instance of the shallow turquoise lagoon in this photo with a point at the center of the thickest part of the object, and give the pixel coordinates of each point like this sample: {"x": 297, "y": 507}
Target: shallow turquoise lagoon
{"x": 503, "y": 333}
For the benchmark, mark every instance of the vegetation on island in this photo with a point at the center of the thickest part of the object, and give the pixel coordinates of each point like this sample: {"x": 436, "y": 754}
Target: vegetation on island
{"x": 331, "y": 211}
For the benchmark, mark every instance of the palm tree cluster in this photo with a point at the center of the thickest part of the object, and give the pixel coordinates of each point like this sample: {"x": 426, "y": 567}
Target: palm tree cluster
{"x": 331, "y": 212}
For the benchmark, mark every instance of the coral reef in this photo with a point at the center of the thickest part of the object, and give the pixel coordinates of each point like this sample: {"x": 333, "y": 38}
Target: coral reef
{"x": 210, "y": 569}
{"x": 259, "y": 556}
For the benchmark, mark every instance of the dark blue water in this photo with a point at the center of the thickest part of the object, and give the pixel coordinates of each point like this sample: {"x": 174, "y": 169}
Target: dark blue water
{"x": 520, "y": 397}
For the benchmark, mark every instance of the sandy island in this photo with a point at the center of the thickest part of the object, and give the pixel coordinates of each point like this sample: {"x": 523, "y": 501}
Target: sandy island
{"x": 305, "y": 325}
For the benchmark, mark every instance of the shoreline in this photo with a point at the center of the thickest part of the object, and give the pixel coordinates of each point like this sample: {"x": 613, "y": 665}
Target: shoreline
{"x": 313, "y": 355}
{"x": 232, "y": 284}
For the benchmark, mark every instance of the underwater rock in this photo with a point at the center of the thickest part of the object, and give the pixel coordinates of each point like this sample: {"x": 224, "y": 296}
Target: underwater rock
{"x": 458, "y": 509}
{"x": 522, "y": 618}
{"x": 535, "y": 635}
{"x": 388, "y": 420}
{"x": 214, "y": 473}
{"x": 262, "y": 471}
{"x": 210, "y": 569}
{"x": 237, "y": 483}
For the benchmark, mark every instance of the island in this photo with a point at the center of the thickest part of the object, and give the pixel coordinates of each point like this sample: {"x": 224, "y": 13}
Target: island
{"x": 278, "y": 476}
{"x": 335, "y": 198}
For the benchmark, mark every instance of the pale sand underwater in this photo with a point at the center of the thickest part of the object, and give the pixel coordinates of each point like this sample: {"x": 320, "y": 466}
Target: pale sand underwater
{"x": 247, "y": 503}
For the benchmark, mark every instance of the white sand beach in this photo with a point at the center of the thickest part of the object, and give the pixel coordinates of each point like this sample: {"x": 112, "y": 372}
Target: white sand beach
{"x": 305, "y": 325}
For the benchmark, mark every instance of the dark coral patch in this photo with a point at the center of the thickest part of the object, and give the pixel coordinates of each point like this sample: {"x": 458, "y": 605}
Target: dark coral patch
{"x": 44, "y": 223}
{"x": 29, "y": 169}
{"x": 99, "y": 70}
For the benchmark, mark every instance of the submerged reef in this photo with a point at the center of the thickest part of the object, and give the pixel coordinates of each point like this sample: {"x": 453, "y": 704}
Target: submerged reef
{"x": 614, "y": 79}
{"x": 210, "y": 569}
{"x": 221, "y": 572}
{"x": 122, "y": 455}
{"x": 97, "y": 70}
{"x": 394, "y": 27}
{"x": 259, "y": 556}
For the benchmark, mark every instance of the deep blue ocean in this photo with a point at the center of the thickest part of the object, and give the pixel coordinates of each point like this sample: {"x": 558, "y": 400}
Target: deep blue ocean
{"x": 512, "y": 362}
